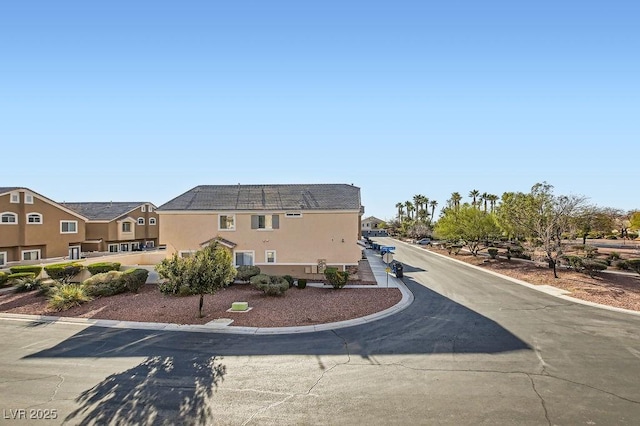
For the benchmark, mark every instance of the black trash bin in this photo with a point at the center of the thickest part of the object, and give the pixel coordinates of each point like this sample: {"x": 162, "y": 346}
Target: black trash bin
{"x": 397, "y": 269}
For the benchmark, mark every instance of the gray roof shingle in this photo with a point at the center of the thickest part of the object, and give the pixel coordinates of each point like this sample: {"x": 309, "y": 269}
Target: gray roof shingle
{"x": 268, "y": 197}
{"x": 103, "y": 210}
{"x": 5, "y": 189}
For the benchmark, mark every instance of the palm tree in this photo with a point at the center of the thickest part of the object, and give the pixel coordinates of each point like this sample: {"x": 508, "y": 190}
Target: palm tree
{"x": 417, "y": 200}
{"x": 433, "y": 204}
{"x": 409, "y": 206}
{"x": 474, "y": 194}
{"x": 400, "y": 207}
{"x": 492, "y": 199}
{"x": 455, "y": 198}
{"x": 484, "y": 197}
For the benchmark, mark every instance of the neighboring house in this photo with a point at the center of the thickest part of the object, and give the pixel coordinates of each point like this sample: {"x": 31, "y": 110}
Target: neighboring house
{"x": 283, "y": 229}
{"x": 370, "y": 227}
{"x": 118, "y": 226}
{"x": 33, "y": 227}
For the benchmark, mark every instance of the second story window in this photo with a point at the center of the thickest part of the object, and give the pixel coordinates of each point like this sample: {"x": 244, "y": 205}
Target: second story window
{"x": 34, "y": 218}
{"x": 9, "y": 218}
{"x": 68, "y": 227}
{"x": 141, "y": 221}
{"x": 126, "y": 226}
{"x": 28, "y": 199}
{"x": 265, "y": 221}
{"x": 152, "y": 221}
{"x": 227, "y": 222}
{"x": 15, "y": 197}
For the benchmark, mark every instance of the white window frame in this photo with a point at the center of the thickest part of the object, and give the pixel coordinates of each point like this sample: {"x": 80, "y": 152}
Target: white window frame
{"x": 14, "y": 198}
{"x": 143, "y": 208}
{"x": 266, "y": 256}
{"x": 135, "y": 245}
{"x": 28, "y": 199}
{"x": 126, "y": 245}
{"x": 293, "y": 215}
{"x": 233, "y": 226}
{"x": 3, "y": 258}
{"x": 12, "y": 214}
{"x": 37, "y": 251}
{"x": 150, "y": 209}
{"x": 141, "y": 221}
{"x": 122, "y": 225}
{"x": 252, "y": 252}
{"x": 152, "y": 221}
{"x": 149, "y": 244}
{"x": 189, "y": 253}
{"x": 75, "y": 222}
{"x": 117, "y": 246}
{"x": 34, "y": 214}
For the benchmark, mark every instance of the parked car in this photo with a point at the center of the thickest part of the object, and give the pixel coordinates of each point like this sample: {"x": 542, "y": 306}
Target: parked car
{"x": 424, "y": 242}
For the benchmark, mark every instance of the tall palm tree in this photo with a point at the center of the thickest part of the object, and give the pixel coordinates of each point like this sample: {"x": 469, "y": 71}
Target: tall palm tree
{"x": 417, "y": 200}
{"x": 400, "y": 207}
{"x": 455, "y": 199}
{"x": 492, "y": 199}
{"x": 474, "y": 194}
{"x": 409, "y": 206}
{"x": 484, "y": 198}
{"x": 433, "y": 204}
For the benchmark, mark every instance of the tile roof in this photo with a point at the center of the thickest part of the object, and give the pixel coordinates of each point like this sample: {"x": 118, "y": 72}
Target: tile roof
{"x": 268, "y": 197}
{"x": 5, "y": 189}
{"x": 103, "y": 210}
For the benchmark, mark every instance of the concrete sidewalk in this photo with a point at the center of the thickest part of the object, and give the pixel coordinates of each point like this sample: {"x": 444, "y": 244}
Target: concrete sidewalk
{"x": 221, "y": 325}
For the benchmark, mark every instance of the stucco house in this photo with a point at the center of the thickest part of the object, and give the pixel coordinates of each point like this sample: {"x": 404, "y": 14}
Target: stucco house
{"x": 283, "y": 229}
{"x": 33, "y": 227}
{"x": 118, "y": 226}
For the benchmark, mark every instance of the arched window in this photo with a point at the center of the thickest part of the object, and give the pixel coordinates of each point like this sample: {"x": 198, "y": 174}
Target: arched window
{"x": 34, "y": 218}
{"x": 9, "y": 217}
{"x": 141, "y": 221}
{"x": 152, "y": 221}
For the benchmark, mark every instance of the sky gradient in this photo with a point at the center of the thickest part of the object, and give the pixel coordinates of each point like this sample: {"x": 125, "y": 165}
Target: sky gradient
{"x": 141, "y": 101}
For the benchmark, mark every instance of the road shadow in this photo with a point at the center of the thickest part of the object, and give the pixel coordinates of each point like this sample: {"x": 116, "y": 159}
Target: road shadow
{"x": 181, "y": 370}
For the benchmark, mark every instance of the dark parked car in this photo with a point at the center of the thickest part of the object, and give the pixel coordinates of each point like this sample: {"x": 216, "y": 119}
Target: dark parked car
{"x": 424, "y": 242}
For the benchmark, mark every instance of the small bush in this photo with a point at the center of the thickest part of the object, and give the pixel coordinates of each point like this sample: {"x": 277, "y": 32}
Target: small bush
{"x": 63, "y": 272}
{"x": 105, "y": 284}
{"x": 245, "y": 272}
{"x": 337, "y": 279}
{"x": 270, "y": 285}
{"x": 574, "y": 262}
{"x": 102, "y": 267}
{"x": 289, "y": 279}
{"x": 493, "y": 252}
{"x": 134, "y": 278}
{"x": 4, "y": 277}
{"x": 622, "y": 265}
{"x": 454, "y": 249}
{"x": 24, "y": 285}
{"x": 593, "y": 266}
{"x": 12, "y": 278}
{"x": 302, "y": 283}
{"x": 67, "y": 296}
{"x": 634, "y": 265}
{"x": 26, "y": 268}
{"x": 614, "y": 255}
{"x": 47, "y": 286}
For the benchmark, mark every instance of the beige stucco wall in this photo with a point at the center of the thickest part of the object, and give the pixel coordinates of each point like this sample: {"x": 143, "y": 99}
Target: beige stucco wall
{"x": 299, "y": 241}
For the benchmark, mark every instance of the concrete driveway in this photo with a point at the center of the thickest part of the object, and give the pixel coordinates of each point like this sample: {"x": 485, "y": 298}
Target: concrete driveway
{"x": 473, "y": 348}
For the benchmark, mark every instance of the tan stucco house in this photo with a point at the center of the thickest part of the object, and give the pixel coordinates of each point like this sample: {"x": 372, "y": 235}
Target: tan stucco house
{"x": 33, "y": 227}
{"x": 118, "y": 226}
{"x": 283, "y": 229}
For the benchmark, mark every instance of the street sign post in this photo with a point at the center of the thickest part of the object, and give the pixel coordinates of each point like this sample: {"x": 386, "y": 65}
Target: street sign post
{"x": 387, "y": 258}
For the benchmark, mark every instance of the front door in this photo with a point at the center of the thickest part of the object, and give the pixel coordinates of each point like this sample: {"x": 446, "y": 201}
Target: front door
{"x": 74, "y": 252}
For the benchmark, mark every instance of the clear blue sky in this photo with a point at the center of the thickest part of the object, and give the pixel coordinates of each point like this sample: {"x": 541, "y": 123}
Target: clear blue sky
{"x": 143, "y": 100}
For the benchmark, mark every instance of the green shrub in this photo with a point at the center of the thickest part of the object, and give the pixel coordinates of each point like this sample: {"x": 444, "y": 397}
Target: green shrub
{"x": 4, "y": 277}
{"x": 454, "y": 249}
{"x": 12, "y": 278}
{"x": 173, "y": 271}
{"x": 270, "y": 285}
{"x": 302, "y": 283}
{"x": 614, "y": 255}
{"x": 592, "y": 266}
{"x": 23, "y": 285}
{"x": 621, "y": 264}
{"x": 634, "y": 265}
{"x": 289, "y": 279}
{"x": 47, "y": 286}
{"x": 63, "y": 272}
{"x": 102, "y": 267}
{"x": 245, "y": 272}
{"x": 134, "y": 278}
{"x": 574, "y": 262}
{"x": 493, "y": 252}
{"x": 67, "y": 296}
{"x": 104, "y": 284}
{"x": 337, "y": 279}
{"x": 26, "y": 268}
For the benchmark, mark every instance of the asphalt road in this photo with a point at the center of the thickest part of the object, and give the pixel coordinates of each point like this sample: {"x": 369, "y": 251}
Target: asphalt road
{"x": 473, "y": 348}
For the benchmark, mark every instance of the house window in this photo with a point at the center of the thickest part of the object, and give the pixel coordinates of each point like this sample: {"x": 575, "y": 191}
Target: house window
{"x": 31, "y": 255}
{"x": 227, "y": 222}
{"x": 141, "y": 221}
{"x": 152, "y": 221}
{"x": 265, "y": 221}
{"x": 143, "y": 208}
{"x": 113, "y": 248}
{"x": 68, "y": 226}
{"x": 186, "y": 253}
{"x": 124, "y": 247}
{"x": 3, "y": 258}
{"x": 150, "y": 209}
{"x": 244, "y": 258}
{"x": 15, "y": 197}
{"x": 9, "y": 217}
{"x": 135, "y": 246}
{"x": 28, "y": 199}
{"x": 149, "y": 244}
{"x": 126, "y": 226}
{"x": 293, "y": 214}
{"x": 34, "y": 218}
{"x": 270, "y": 256}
